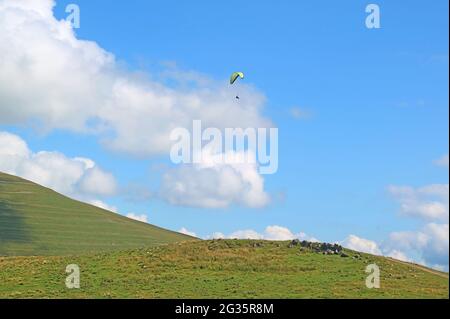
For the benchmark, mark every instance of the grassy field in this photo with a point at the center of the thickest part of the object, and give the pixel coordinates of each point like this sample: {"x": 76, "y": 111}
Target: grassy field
{"x": 35, "y": 220}
{"x": 218, "y": 269}
{"x": 122, "y": 258}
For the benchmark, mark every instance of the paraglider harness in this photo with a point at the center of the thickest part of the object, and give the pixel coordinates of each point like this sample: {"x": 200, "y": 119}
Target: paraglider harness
{"x": 234, "y": 77}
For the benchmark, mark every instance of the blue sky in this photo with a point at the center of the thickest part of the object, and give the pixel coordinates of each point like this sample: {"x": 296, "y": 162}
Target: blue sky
{"x": 377, "y": 104}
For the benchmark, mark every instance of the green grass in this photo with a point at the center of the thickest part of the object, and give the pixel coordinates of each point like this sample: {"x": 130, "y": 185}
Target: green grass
{"x": 35, "y": 220}
{"x": 217, "y": 269}
{"x": 41, "y": 232}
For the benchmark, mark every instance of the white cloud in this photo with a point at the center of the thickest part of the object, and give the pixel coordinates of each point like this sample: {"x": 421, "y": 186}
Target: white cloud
{"x": 76, "y": 177}
{"x": 141, "y": 217}
{"x": 13, "y": 145}
{"x": 273, "y": 232}
{"x": 213, "y": 185}
{"x": 96, "y": 181}
{"x": 408, "y": 240}
{"x": 443, "y": 161}
{"x": 55, "y": 80}
{"x": 12, "y": 150}
{"x": 278, "y": 233}
{"x": 437, "y": 249}
{"x": 361, "y": 244}
{"x": 430, "y": 202}
{"x": 431, "y": 244}
{"x": 103, "y": 205}
{"x": 246, "y": 234}
{"x": 396, "y": 254}
{"x": 187, "y": 232}
{"x": 60, "y": 77}
{"x": 216, "y": 235}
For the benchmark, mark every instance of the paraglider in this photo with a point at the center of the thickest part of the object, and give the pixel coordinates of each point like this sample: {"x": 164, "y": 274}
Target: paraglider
{"x": 235, "y": 76}
{"x": 233, "y": 79}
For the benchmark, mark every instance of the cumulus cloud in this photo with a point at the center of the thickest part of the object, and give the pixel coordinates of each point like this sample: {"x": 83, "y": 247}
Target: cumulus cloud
{"x": 138, "y": 217}
{"x": 103, "y": 205}
{"x": 216, "y": 235}
{"x": 77, "y": 177}
{"x": 399, "y": 255}
{"x": 96, "y": 181}
{"x": 54, "y": 80}
{"x": 431, "y": 243}
{"x": 12, "y": 150}
{"x": 408, "y": 240}
{"x": 183, "y": 230}
{"x": 429, "y": 202}
{"x": 437, "y": 249}
{"x": 273, "y": 232}
{"x": 211, "y": 184}
{"x": 47, "y": 74}
{"x": 246, "y": 234}
{"x": 278, "y": 233}
{"x": 361, "y": 244}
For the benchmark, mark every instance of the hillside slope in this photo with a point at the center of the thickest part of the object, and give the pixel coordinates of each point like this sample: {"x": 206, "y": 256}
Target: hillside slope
{"x": 218, "y": 269}
{"x": 35, "y": 220}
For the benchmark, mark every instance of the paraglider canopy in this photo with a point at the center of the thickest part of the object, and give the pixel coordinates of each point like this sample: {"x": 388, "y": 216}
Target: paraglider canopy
{"x": 235, "y": 76}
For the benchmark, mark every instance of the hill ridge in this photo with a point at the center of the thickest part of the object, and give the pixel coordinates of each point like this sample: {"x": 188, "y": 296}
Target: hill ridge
{"x": 36, "y": 220}
{"x": 218, "y": 269}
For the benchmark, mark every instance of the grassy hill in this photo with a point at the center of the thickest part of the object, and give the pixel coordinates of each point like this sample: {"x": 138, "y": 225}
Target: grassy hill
{"x": 41, "y": 232}
{"x": 216, "y": 269}
{"x": 35, "y": 220}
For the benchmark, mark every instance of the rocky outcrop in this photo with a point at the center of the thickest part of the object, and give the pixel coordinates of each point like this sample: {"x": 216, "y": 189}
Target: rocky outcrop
{"x": 320, "y": 248}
